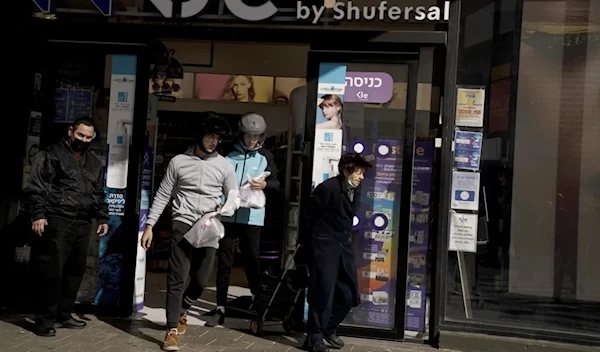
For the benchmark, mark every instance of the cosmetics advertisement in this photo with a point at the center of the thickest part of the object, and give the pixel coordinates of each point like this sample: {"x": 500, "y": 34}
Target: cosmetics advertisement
{"x": 416, "y": 293}
{"x": 328, "y": 135}
{"x": 120, "y": 122}
{"x": 377, "y": 241}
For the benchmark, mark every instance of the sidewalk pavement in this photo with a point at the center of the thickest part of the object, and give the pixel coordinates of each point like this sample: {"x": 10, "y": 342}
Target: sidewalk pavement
{"x": 125, "y": 335}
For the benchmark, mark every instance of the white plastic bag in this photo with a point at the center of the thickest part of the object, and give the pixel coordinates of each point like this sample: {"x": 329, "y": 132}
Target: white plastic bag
{"x": 250, "y": 198}
{"x": 208, "y": 231}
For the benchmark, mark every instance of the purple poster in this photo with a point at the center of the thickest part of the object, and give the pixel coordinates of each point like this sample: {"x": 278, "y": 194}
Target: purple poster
{"x": 376, "y": 239}
{"x": 419, "y": 236}
{"x": 146, "y": 188}
{"x": 368, "y": 87}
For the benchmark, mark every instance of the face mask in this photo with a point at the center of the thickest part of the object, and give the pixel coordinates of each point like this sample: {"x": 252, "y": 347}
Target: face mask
{"x": 80, "y": 146}
{"x": 350, "y": 184}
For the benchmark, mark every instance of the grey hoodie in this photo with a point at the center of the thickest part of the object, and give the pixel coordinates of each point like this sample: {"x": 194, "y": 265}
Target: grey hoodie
{"x": 196, "y": 185}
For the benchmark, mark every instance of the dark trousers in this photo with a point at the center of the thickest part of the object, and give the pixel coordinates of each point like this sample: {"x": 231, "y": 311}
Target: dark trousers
{"x": 185, "y": 260}
{"x": 249, "y": 237}
{"x": 329, "y": 300}
{"x": 59, "y": 261}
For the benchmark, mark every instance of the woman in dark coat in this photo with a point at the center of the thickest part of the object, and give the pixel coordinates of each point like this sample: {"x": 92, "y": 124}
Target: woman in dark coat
{"x": 333, "y": 290}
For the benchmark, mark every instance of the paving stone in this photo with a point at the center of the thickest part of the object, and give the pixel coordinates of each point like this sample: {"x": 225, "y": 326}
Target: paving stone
{"x": 108, "y": 335}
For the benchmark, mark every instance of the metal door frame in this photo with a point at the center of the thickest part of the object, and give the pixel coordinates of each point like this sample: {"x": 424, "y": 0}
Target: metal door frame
{"x": 411, "y": 59}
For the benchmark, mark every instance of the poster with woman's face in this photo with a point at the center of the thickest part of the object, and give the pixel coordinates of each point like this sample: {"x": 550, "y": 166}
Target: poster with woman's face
{"x": 284, "y": 87}
{"x": 329, "y": 111}
{"x": 242, "y": 88}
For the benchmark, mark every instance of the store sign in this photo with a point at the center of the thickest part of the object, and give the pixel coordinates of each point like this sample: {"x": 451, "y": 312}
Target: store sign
{"x": 342, "y": 11}
{"x": 238, "y": 8}
{"x": 368, "y": 87}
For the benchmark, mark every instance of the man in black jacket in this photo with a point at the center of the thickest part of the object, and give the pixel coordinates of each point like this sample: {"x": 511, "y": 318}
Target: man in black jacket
{"x": 333, "y": 287}
{"x": 65, "y": 191}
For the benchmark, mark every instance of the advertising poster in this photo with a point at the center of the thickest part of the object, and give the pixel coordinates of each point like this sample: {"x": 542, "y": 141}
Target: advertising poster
{"x": 469, "y": 107}
{"x": 376, "y": 241}
{"x": 33, "y": 143}
{"x": 465, "y": 190}
{"x": 467, "y": 150}
{"x": 284, "y": 86}
{"x": 120, "y": 121}
{"x": 140, "y": 264}
{"x": 241, "y": 88}
{"x": 463, "y": 232}
{"x": 416, "y": 293}
{"x": 329, "y": 136}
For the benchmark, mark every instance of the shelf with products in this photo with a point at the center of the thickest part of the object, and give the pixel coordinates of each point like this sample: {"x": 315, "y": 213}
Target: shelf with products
{"x": 294, "y": 214}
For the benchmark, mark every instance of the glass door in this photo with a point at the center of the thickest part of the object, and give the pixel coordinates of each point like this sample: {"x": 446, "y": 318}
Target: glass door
{"x": 366, "y": 103}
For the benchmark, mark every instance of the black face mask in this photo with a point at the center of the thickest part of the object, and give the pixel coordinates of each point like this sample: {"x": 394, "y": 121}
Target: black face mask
{"x": 80, "y": 146}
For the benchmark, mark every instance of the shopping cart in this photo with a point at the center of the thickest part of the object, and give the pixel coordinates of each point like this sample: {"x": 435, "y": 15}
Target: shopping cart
{"x": 277, "y": 298}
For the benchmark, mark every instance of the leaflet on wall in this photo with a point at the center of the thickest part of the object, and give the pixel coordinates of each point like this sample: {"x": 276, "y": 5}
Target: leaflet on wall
{"x": 329, "y": 136}
{"x": 467, "y": 150}
{"x": 463, "y": 232}
{"x": 469, "y": 107}
{"x": 465, "y": 190}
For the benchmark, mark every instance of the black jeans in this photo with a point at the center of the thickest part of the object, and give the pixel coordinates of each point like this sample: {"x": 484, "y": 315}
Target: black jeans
{"x": 183, "y": 261}
{"x": 249, "y": 236}
{"x": 59, "y": 261}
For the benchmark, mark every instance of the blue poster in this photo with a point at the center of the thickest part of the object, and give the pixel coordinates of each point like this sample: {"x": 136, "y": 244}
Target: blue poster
{"x": 467, "y": 150}
{"x": 61, "y": 104}
{"x": 80, "y": 103}
{"x": 113, "y": 245}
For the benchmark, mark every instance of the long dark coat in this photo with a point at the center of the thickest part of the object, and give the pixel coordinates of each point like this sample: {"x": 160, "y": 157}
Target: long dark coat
{"x": 330, "y": 245}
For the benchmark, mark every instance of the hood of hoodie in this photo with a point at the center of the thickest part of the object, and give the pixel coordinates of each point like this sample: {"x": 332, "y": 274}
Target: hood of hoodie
{"x": 191, "y": 151}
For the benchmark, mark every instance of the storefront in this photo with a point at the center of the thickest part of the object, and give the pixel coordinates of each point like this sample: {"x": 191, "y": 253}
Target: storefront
{"x": 418, "y": 88}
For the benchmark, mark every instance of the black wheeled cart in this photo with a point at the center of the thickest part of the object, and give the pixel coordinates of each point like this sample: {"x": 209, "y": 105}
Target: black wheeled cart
{"x": 277, "y": 298}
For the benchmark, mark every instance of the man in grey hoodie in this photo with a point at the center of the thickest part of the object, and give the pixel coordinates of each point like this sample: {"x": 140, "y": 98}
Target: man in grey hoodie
{"x": 196, "y": 180}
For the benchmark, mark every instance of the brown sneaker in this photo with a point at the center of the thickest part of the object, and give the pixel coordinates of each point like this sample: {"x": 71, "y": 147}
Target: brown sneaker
{"x": 182, "y": 325}
{"x": 171, "y": 342}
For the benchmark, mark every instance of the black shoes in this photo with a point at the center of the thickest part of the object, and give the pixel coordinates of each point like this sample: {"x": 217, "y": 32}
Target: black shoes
{"x": 334, "y": 341}
{"x": 70, "y": 324}
{"x": 44, "y": 331}
{"x": 316, "y": 348}
{"x": 218, "y": 318}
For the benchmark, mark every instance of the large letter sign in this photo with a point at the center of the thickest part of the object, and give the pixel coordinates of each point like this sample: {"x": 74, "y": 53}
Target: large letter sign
{"x": 192, "y": 8}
